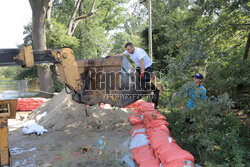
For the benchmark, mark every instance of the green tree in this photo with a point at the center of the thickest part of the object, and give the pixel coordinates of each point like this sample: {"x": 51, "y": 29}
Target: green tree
{"x": 197, "y": 36}
{"x": 210, "y": 37}
{"x": 91, "y": 32}
{"x": 130, "y": 30}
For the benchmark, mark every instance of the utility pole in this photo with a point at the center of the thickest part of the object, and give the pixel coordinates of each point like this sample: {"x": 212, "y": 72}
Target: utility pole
{"x": 150, "y": 29}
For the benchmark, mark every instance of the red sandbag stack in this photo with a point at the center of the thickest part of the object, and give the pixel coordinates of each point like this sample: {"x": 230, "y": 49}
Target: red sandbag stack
{"x": 161, "y": 146}
{"x": 135, "y": 104}
{"x": 143, "y": 153}
{"x": 29, "y": 104}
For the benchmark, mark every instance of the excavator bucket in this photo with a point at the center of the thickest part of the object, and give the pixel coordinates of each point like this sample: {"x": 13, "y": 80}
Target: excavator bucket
{"x": 110, "y": 80}
{"x": 107, "y": 80}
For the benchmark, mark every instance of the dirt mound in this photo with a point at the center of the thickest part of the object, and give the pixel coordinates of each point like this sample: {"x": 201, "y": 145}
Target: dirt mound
{"x": 70, "y": 132}
{"x": 63, "y": 113}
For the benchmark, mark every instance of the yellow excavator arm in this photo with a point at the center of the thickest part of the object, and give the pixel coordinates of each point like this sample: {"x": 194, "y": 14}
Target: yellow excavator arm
{"x": 105, "y": 80}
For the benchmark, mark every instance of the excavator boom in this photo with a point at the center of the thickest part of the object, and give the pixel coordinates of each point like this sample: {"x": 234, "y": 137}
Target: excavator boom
{"x": 105, "y": 80}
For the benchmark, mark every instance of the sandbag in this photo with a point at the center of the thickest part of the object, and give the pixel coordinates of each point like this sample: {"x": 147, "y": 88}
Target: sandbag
{"x": 153, "y": 115}
{"x": 29, "y": 104}
{"x": 140, "y": 126}
{"x": 180, "y": 163}
{"x": 160, "y": 129}
{"x": 144, "y": 154}
{"x": 169, "y": 152}
{"x": 141, "y": 148}
{"x": 138, "y": 140}
{"x": 163, "y": 148}
{"x": 158, "y": 134}
{"x": 135, "y": 104}
{"x": 155, "y": 123}
{"x": 136, "y": 112}
{"x": 150, "y": 163}
{"x": 135, "y": 120}
{"x": 143, "y": 107}
{"x": 157, "y": 141}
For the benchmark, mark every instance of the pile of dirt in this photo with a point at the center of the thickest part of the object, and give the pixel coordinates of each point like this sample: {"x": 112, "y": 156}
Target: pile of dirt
{"x": 63, "y": 113}
{"x": 73, "y": 139}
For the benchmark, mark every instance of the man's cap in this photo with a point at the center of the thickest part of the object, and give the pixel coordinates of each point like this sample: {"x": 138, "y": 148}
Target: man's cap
{"x": 198, "y": 76}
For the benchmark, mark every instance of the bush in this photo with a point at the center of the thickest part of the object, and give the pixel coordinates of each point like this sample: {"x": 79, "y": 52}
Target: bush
{"x": 215, "y": 137}
{"x": 27, "y": 74}
{"x": 58, "y": 38}
{"x": 10, "y": 73}
{"x": 231, "y": 77}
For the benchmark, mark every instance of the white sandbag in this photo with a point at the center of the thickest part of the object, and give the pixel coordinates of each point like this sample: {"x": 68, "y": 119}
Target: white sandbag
{"x": 138, "y": 140}
{"x": 138, "y": 130}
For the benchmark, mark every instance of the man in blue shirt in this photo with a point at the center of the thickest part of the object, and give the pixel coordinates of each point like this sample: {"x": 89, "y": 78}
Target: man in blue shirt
{"x": 197, "y": 94}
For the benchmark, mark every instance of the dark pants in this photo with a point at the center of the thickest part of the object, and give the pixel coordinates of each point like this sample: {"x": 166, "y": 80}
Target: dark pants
{"x": 147, "y": 74}
{"x": 147, "y": 77}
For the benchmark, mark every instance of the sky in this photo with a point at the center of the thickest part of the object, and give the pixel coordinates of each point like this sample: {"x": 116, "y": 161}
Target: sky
{"x": 14, "y": 14}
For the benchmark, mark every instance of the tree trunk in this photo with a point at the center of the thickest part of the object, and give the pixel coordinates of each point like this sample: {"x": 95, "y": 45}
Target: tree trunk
{"x": 247, "y": 47}
{"x": 73, "y": 22}
{"x": 48, "y": 14}
{"x": 39, "y": 9}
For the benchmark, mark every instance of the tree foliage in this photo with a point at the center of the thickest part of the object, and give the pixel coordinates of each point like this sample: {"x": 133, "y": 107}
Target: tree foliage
{"x": 91, "y": 33}
{"x": 57, "y": 37}
{"x": 209, "y": 37}
{"x": 212, "y": 134}
{"x": 206, "y": 37}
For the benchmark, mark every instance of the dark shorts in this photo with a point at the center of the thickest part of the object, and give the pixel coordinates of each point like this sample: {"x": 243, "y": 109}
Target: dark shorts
{"x": 148, "y": 72}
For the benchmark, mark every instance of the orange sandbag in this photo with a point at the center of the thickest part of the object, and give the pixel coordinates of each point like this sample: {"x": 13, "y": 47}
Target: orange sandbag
{"x": 155, "y": 123}
{"x": 158, "y": 134}
{"x": 180, "y": 163}
{"x": 153, "y": 115}
{"x": 150, "y": 163}
{"x": 143, "y": 154}
{"x": 145, "y": 106}
{"x": 140, "y": 126}
{"x": 136, "y": 111}
{"x": 135, "y": 104}
{"x": 169, "y": 152}
{"x": 134, "y": 120}
{"x": 157, "y": 144}
{"x": 157, "y": 140}
{"x": 141, "y": 148}
{"x": 28, "y": 104}
{"x": 161, "y": 129}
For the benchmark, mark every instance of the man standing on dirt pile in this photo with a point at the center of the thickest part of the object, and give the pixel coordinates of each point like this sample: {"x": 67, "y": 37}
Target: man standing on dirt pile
{"x": 143, "y": 62}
